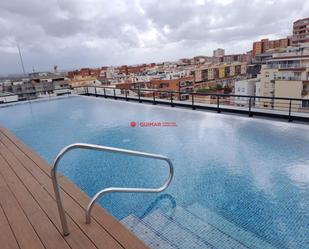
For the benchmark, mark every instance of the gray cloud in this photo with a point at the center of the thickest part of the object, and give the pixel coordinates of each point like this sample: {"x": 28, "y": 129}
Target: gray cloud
{"x": 76, "y": 33}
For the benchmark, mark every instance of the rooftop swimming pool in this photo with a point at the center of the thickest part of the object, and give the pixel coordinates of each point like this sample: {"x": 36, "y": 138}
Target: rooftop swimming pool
{"x": 238, "y": 183}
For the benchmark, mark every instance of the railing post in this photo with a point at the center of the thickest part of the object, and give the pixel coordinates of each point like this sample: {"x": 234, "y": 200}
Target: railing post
{"x": 250, "y": 104}
{"x": 95, "y": 91}
{"x": 290, "y": 107}
{"x": 115, "y": 93}
{"x": 139, "y": 94}
{"x": 193, "y": 107}
{"x": 87, "y": 91}
{"x": 172, "y": 104}
{"x": 126, "y": 94}
{"x": 104, "y": 92}
{"x": 218, "y": 104}
{"x": 154, "y": 98}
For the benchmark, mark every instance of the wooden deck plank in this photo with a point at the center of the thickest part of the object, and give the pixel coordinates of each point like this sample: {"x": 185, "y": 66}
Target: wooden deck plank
{"x": 76, "y": 240}
{"x": 24, "y": 233}
{"x": 44, "y": 228}
{"x": 100, "y": 216}
{"x": 7, "y": 237}
{"x": 95, "y": 232}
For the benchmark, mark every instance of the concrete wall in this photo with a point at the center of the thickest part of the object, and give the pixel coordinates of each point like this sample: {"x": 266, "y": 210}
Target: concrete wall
{"x": 7, "y": 99}
{"x": 290, "y": 89}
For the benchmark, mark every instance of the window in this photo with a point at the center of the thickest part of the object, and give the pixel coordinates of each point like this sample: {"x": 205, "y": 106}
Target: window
{"x": 305, "y": 103}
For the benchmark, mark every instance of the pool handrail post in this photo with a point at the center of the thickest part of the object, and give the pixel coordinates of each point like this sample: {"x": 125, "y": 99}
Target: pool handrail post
{"x": 59, "y": 202}
{"x": 70, "y": 147}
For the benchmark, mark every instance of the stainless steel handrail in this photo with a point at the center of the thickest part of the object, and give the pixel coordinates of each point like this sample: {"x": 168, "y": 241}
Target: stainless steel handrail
{"x": 106, "y": 190}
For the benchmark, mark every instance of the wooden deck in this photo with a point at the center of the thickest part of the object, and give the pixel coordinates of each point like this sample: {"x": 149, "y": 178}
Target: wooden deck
{"x": 28, "y": 211}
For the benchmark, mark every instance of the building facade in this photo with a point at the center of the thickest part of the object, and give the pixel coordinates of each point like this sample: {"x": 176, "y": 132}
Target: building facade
{"x": 219, "y": 52}
{"x": 220, "y": 73}
{"x": 260, "y": 47}
{"x": 286, "y": 75}
{"x": 300, "y": 31}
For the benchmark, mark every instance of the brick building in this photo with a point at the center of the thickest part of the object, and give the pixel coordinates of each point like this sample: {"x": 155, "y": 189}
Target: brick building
{"x": 260, "y": 47}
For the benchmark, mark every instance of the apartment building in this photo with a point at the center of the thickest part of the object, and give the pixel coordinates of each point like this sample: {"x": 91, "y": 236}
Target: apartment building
{"x": 49, "y": 84}
{"x": 36, "y": 86}
{"x": 286, "y": 75}
{"x": 85, "y": 72}
{"x": 219, "y": 72}
{"x": 261, "y": 47}
{"x": 79, "y": 81}
{"x": 219, "y": 52}
{"x": 86, "y": 76}
{"x": 182, "y": 85}
{"x": 236, "y": 58}
{"x": 300, "y": 31}
{"x": 245, "y": 87}
{"x": 21, "y": 87}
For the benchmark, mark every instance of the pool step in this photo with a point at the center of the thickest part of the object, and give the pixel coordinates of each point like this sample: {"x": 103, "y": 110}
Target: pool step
{"x": 160, "y": 232}
{"x": 245, "y": 237}
{"x": 177, "y": 235}
{"x": 192, "y": 227}
{"x": 146, "y": 234}
{"x": 205, "y": 231}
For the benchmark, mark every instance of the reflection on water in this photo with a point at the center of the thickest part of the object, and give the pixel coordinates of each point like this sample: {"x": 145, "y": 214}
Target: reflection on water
{"x": 299, "y": 174}
{"x": 165, "y": 202}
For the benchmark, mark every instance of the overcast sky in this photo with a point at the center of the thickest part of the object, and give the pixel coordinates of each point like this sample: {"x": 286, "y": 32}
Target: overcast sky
{"x": 79, "y": 33}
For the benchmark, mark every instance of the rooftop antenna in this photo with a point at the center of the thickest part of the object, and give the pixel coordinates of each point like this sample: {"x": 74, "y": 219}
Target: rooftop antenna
{"x": 21, "y": 59}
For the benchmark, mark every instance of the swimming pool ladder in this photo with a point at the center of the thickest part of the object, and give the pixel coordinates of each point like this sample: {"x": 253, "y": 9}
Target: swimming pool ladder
{"x": 100, "y": 193}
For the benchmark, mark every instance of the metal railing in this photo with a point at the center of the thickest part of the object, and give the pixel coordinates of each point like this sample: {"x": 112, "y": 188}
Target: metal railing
{"x": 278, "y": 107}
{"x": 106, "y": 190}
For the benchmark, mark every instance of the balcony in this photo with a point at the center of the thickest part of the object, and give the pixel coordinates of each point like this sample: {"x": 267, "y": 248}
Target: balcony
{"x": 288, "y": 78}
{"x": 285, "y": 66}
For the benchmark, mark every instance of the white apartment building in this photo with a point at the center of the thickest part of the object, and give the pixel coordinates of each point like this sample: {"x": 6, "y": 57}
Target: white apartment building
{"x": 286, "y": 75}
{"x": 245, "y": 87}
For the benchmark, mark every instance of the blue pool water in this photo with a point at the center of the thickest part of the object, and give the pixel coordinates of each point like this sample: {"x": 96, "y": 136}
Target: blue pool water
{"x": 252, "y": 173}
